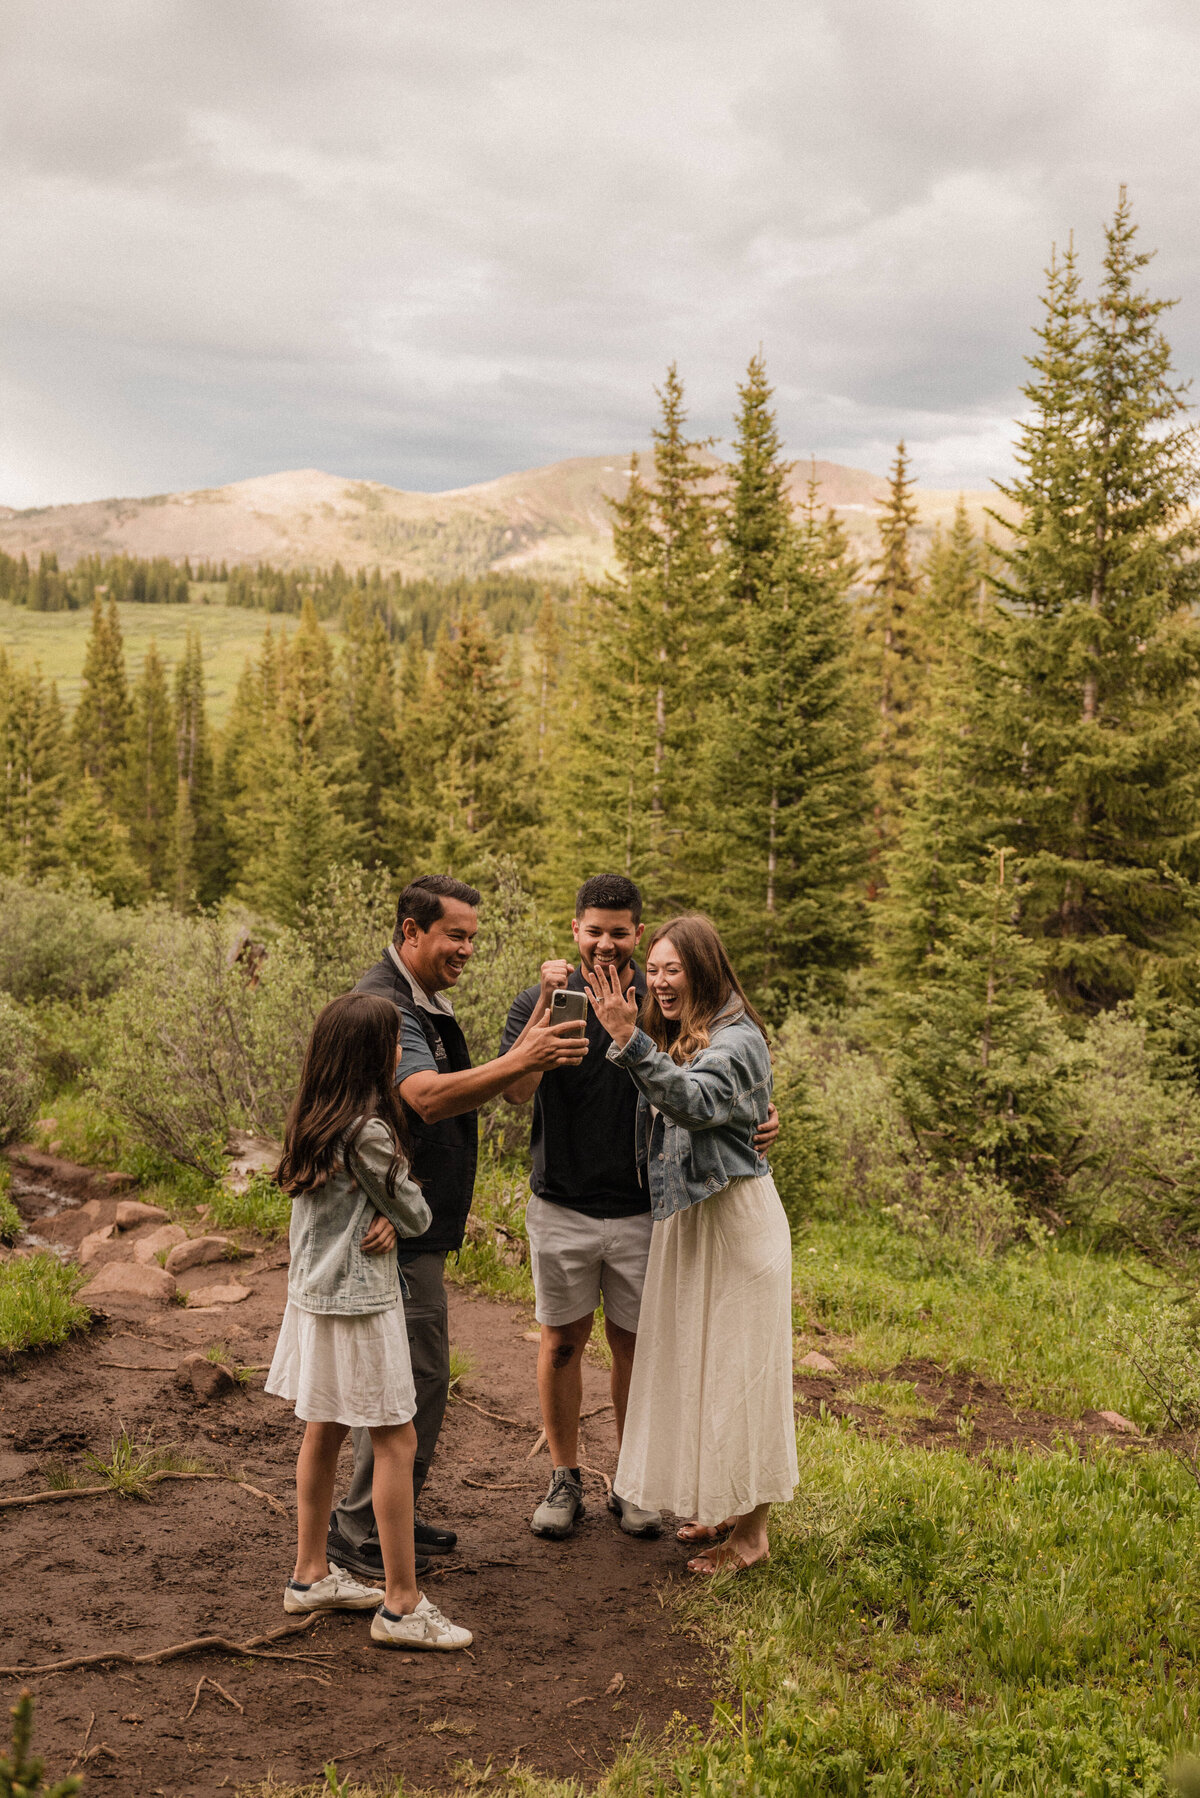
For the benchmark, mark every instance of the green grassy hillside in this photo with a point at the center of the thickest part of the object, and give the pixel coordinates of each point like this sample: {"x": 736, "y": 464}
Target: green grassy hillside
{"x": 56, "y": 642}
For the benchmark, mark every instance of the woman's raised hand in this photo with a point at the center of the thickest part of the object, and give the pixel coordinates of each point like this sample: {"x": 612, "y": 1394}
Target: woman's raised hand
{"x": 616, "y": 1010}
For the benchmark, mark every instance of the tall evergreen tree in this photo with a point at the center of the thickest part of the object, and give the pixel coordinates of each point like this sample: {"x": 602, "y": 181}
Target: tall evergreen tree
{"x": 33, "y": 770}
{"x": 101, "y": 726}
{"x": 788, "y": 791}
{"x": 368, "y": 687}
{"x": 197, "y": 857}
{"x": 891, "y": 658}
{"x": 148, "y": 796}
{"x": 628, "y": 795}
{"x": 1087, "y": 735}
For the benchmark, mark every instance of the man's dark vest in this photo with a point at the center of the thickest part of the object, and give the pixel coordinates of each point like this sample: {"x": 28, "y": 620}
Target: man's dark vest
{"x": 444, "y": 1154}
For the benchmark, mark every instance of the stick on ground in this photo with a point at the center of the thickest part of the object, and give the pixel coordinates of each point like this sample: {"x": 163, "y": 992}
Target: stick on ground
{"x": 197, "y": 1645}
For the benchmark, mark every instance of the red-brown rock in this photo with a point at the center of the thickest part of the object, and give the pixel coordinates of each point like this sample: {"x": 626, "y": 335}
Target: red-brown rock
{"x": 132, "y": 1280}
{"x": 229, "y": 1294}
{"x": 132, "y": 1212}
{"x": 207, "y": 1379}
{"x": 157, "y": 1242}
{"x": 198, "y": 1252}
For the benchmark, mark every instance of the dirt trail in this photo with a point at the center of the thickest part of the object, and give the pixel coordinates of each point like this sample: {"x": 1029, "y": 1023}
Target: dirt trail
{"x": 555, "y": 1623}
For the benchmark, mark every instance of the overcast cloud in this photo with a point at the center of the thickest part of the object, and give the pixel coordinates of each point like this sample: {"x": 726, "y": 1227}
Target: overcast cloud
{"x": 431, "y": 243}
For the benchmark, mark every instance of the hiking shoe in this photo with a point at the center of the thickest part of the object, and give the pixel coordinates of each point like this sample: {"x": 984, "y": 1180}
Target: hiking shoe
{"x": 336, "y": 1592}
{"x": 433, "y": 1540}
{"x": 365, "y": 1561}
{"x": 562, "y": 1506}
{"x": 633, "y": 1520}
{"x": 425, "y": 1627}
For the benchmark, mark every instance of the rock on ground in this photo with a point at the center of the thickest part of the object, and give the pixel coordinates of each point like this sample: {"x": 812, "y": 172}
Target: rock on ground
{"x": 207, "y": 1379}
{"x": 200, "y": 1250}
{"x": 130, "y": 1279}
{"x": 132, "y": 1212}
{"x": 150, "y": 1247}
{"x": 229, "y": 1294}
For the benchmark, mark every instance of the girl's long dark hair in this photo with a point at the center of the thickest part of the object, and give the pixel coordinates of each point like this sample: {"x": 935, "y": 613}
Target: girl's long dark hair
{"x": 348, "y": 1075}
{"x": 711, "y": 983}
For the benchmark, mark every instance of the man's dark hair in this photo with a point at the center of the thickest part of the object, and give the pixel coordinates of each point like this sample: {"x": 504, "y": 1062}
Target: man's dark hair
{"x": 421, "y": 900}
{"x": 609, "y": 892}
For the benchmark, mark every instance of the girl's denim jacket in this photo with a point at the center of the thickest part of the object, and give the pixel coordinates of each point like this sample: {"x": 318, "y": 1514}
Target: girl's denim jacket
{"x": 329, "y": 1272}
{"x": 708, "y": 1112}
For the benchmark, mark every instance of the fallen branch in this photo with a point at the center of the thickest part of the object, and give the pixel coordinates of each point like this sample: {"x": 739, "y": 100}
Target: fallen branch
{"x": 538, "y": 1446}
{"x": 138, "y": 1366}
{"x": 197, "y": 1645}
{"x": 56, "y": 1494}
{"x": 597, "y": 1473}
{"x": 490, "y": 1486}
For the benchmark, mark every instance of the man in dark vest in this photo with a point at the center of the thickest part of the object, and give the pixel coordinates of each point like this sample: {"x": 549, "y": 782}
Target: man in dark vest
{"x": 436, "y": 923}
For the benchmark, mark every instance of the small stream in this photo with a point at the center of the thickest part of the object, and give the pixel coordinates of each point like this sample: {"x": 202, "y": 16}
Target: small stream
{"x": 48, "y": 1201}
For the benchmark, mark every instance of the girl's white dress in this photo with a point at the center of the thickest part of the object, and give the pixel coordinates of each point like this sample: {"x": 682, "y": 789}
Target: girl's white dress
{"x": 711, "y": 1431}
{"x": 354, "y": 1370}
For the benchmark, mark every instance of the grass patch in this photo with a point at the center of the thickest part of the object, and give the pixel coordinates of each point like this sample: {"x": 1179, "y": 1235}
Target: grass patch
{"x": 1033, "y": 1321}
{"x": 38, "y": 1303}
{"x": 10, "y": 1217}
{"x": 895, "y": 1398}
{"x": 130, "y": 1464}
{"x": 938, "y": 1625}
{"x": 221, "y": 1355}
{"x": 263, "y": 1207}
{"x": 462, "y": 1365}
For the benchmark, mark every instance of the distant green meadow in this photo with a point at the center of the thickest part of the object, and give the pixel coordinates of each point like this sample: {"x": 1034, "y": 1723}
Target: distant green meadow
{"x": 56, "y": 641}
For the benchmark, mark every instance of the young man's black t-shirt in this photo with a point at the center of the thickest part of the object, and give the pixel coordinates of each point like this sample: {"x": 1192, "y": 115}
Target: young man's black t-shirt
{"x": 584, "y": 1119}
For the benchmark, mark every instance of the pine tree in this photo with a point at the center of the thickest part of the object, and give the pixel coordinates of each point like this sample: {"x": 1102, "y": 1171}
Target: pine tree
{"x": 789, "y": 793}
{"x": 148, "y": 796}
{"x": 198, "y": 834}
{"x": 33, "y": 770}
{"x": 953, "y": 594}
{"x": 1086, "y": 737}
{"x": 478, "y": 795}
{"x": 92, "y": 840}
{"x": 891, "y": 659}
{"x": 981, "y": 1065}
{"x": 759, "y": 515}
{"x": 101, "y": 724}
{"x": 368, "y": 687}
{"x": 628, "y": 794}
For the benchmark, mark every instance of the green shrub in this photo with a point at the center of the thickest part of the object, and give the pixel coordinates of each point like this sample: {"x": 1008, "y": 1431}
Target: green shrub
{"x": 61, "y": 942}
{"x": 20, "y": 1077}
{"x": 10, "y": 1217}
{"x": 1139, "y": 1179}
{"x": 262, "y": 1207}
{"x": 801, "y": 1159}
{"x": 38, "y": 1306}
{"x": 853, "y": 1151}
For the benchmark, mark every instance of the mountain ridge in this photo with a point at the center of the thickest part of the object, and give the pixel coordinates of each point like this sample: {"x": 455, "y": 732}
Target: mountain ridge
{"x": 550, "y": 521}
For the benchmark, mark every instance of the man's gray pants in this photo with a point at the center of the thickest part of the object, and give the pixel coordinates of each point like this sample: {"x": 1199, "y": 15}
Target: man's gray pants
{"x": 429, "y": 1346}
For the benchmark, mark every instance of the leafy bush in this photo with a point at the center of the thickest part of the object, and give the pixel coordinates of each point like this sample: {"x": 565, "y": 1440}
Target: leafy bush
{"x": 62, "y": 942}
{"x": 853, "y": 1149}
{"x": 802, "y": 1155}
{"x": 261, "y": 1206}
{"x": 10, "y": 1217}
{"x": 1139, "y": 1179}
{"x": 1163, "y": 1346}
{"x": 20, "y": 1079}
{"x": 200, "y": 1041}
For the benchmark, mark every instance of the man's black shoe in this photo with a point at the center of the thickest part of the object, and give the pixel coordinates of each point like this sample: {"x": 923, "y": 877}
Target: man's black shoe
{"x": 366, "y": 1561}
{"x": 433, "y": 1540}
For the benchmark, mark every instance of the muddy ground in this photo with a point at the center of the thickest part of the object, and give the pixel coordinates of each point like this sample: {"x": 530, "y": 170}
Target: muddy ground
{"x": 577, "y": 1643}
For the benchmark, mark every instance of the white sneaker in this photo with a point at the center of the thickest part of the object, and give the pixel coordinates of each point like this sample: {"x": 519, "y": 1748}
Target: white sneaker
{"x": 423, "y": 1628}
{"x": 634, "y": 1521}
{"x": 336, "y": 1592}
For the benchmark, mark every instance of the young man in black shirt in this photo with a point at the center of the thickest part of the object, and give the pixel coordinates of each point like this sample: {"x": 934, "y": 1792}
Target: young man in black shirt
{"x": 589, "y": 1217}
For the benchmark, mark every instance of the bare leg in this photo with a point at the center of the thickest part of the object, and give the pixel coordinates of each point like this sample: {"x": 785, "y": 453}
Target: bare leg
{"x": 316, "y": 1472}
{"x": 395, "y": 1449}
{"x": 560, "y": 1386}
{"x": 622, "y": 1343}
{"x": 746, "y": 1545}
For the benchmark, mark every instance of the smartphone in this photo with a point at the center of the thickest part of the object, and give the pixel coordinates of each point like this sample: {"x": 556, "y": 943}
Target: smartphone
{"x": 569, "y": 1008}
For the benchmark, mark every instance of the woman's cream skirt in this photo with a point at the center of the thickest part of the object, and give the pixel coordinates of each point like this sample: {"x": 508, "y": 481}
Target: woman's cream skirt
{"x": 711, "y": 1432}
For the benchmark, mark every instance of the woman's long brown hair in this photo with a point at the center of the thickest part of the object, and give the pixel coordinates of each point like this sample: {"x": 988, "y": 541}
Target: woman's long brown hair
{"x": 711, "y": 983}
{"x": 348, "y": 1074}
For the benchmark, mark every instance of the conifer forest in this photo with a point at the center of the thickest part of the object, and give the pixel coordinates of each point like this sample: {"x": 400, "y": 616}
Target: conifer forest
{"x": 942, "y": 800}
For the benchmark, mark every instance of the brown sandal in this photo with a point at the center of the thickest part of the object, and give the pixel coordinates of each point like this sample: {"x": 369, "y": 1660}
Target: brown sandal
{"x": 704, "y": 1532}
{"x": 723, "y": 1559}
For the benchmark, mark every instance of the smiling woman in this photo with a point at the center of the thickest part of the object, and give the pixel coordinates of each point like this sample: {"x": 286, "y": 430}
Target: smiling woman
{"x": 710, "y": 1432}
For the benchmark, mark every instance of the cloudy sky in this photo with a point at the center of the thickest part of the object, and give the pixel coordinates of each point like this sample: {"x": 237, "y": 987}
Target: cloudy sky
{"x": 431, "y": 243}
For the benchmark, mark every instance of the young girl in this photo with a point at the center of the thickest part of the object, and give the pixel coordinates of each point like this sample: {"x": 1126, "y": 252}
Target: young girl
{"x": 342, "y": 1355}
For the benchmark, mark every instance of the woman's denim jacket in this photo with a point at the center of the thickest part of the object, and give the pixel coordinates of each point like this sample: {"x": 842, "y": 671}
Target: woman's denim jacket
{"x": 708, "y": 1112}
{"x": 329, "y": 1272}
